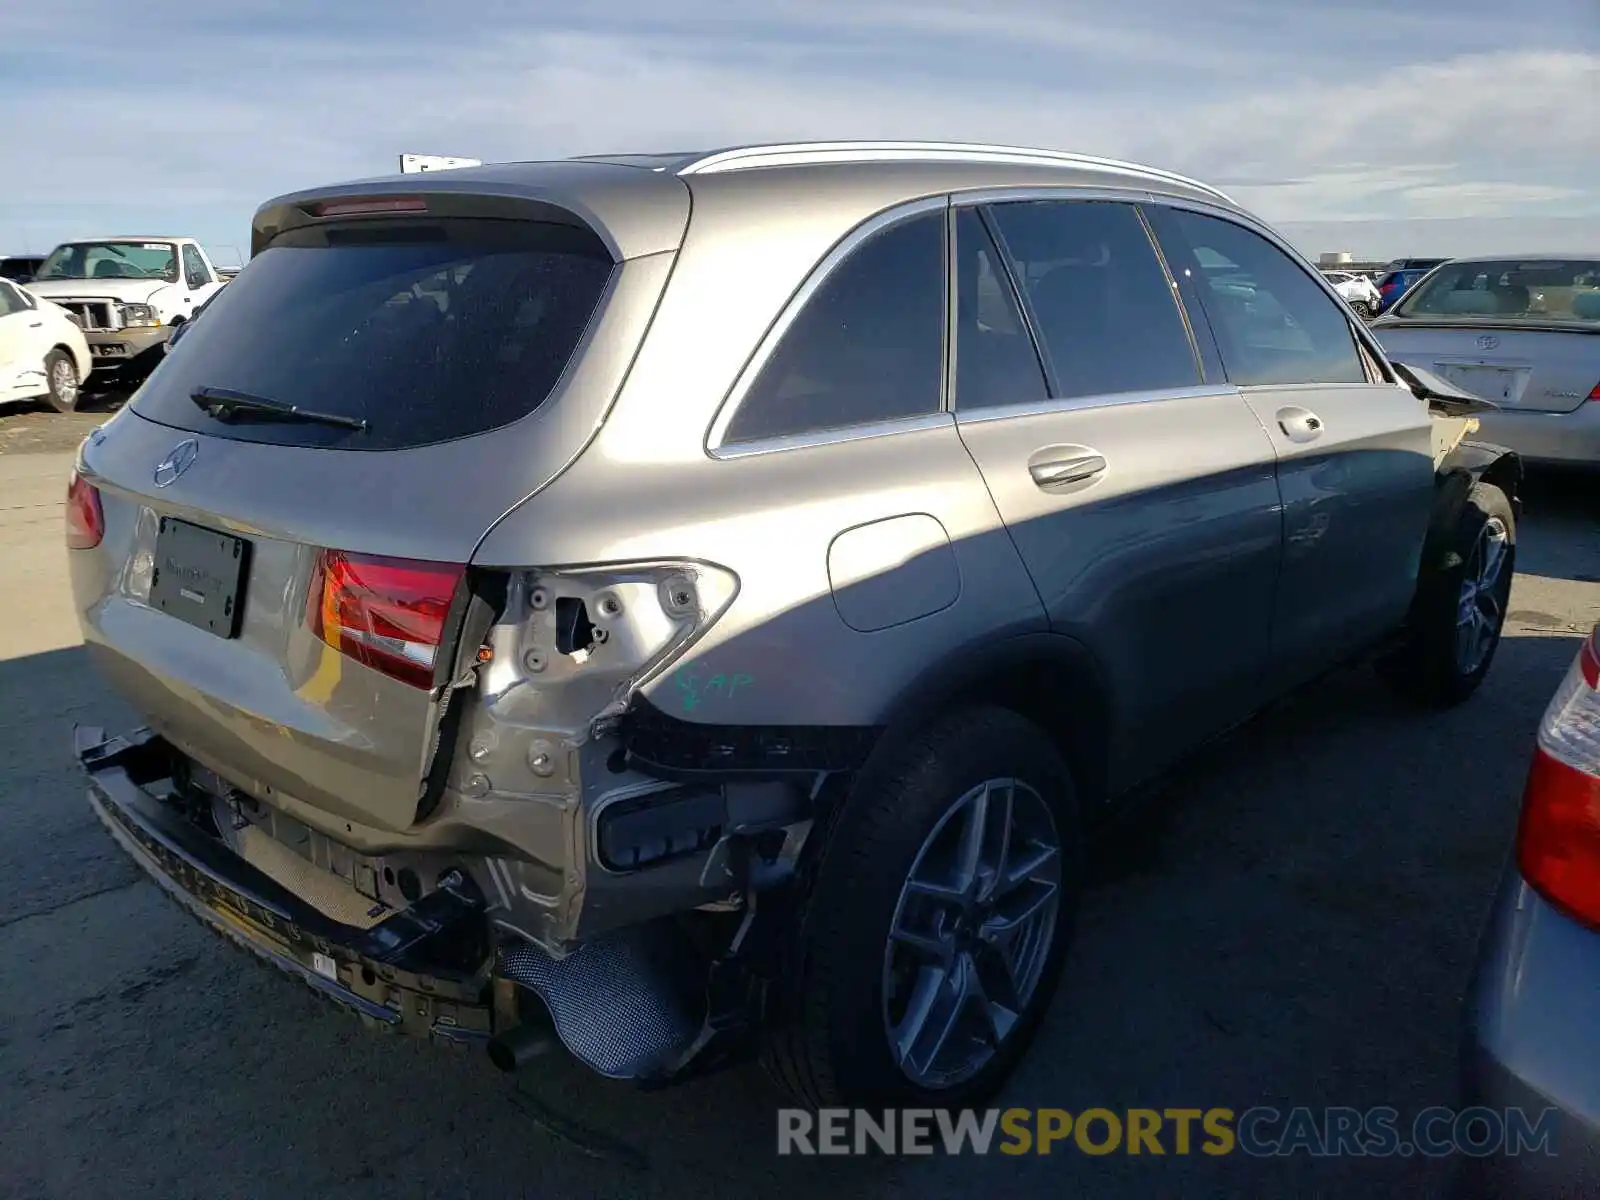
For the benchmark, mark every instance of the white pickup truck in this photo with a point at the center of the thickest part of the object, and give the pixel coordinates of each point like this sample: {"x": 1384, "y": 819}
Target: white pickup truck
{"x": 127, "y": 294}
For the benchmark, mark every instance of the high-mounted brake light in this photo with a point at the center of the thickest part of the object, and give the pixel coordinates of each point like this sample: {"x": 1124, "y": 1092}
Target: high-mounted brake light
{"x": 1558, "y": 837}
{"x": 86, "y": 521}
{"x": 368, "y": 206}
{"x": 386, "y": 613}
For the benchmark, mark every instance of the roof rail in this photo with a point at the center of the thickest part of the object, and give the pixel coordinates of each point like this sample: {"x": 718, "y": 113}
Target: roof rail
{"x": 741, "y": 158}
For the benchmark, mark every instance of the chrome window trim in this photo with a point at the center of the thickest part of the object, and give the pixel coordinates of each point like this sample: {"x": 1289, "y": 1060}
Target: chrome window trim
{"x": 1245, "y": 221}
{"x": 715, "y": 444}
{"x": 742, "y": 158}
{"x": 1042, "y": 408}
{"x": 836, "y": 436}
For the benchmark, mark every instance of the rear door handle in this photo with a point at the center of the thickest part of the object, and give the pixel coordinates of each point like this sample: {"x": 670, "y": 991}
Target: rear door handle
{"x": 1299, "y": 424}
{"x": 1057, "y": 466}
{"x": 36, "y": 325}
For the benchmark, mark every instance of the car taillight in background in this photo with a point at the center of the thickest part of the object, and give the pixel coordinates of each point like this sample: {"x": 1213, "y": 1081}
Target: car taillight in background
{"x": 86, "y": 521}
{"x": 1594, "y": 393}
{"x": 1558, "y": 838}
{"x": 386, "y": 613}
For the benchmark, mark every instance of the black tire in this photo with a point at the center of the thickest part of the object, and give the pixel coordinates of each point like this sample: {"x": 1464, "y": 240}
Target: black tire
{"x": 58, "y": 367}
{"x": 1430, "y": 667}
{"x": 1363, "y": 309}
{"x": 827, "y": 1043}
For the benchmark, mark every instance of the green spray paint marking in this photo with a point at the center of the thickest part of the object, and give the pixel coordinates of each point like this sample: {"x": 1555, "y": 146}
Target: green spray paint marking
{"x": 694, "y": 689}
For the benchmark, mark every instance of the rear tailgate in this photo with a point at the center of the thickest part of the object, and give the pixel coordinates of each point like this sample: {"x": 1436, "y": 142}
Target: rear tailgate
{"x": 1517, "y": 368}
{"x": 280, "y": 596}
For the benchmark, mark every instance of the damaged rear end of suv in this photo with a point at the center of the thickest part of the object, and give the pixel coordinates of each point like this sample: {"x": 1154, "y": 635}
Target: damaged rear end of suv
{"x": 376, "y": 754}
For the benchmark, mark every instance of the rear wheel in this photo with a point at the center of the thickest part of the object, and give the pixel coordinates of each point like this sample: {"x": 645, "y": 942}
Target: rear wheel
{"x": 937, "y": 922}
{"x": 1461, "y": 610}
{"x": 61, "y": 376}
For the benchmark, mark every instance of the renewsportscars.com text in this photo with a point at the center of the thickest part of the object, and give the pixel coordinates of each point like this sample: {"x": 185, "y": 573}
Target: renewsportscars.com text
{"x": 1259, "y": 1131}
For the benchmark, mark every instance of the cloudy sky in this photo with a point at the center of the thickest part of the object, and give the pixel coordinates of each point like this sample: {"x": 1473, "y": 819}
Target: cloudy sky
{"x": 1379, "y": 126}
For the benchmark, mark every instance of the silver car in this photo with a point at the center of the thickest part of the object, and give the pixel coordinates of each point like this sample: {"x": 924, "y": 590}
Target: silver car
{"x": 1531, "y": 1041}
{"x": 679, "y": 605}
{"x": 1523, "y": 333}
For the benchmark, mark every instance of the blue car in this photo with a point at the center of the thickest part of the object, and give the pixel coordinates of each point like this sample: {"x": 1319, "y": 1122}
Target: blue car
{"x": 1399, "y": 276}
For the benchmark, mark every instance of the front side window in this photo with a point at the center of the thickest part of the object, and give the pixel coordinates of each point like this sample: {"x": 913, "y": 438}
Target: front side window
{"x": 1273, "y": 324}
{"x": 10, "y": 300}
{"x": 1102, "y": 306}
{"x": 867, "y": 346}
{"x": 112, "y": 260}
{"x": 194, "y": 268}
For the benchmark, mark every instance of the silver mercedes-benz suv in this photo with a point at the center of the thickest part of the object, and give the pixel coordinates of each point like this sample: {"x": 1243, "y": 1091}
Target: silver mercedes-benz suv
{"x": 682, "y": 605}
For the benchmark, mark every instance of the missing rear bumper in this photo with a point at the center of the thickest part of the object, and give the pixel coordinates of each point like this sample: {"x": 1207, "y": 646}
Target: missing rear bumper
{"x": 648, "y": 1002}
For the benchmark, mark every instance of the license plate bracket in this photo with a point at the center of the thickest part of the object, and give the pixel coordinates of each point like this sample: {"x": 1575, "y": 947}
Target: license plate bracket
{"x": 199, "y": 576}
{"x": 1495, "y": 384}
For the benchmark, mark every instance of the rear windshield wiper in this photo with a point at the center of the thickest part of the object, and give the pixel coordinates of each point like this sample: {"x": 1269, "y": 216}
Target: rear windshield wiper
{"x": 223, "y": 403}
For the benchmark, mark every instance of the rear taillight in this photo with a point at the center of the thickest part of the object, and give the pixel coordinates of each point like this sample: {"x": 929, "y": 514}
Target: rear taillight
{"x": 1594, "y": 393}
{"x": 1558, "y": 838}
{"x": 86, "y": 521}
{"x": 386, "y": 613}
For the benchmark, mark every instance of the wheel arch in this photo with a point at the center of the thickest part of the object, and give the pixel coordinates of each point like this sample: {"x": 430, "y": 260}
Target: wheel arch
{"x": 1053, "y": 680}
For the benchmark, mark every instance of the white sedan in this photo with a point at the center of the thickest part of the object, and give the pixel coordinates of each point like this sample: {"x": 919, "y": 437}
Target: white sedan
{"x": 43, "y": 354}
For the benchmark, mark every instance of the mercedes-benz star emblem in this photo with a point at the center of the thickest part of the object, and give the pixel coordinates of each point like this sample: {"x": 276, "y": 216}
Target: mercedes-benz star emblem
{"x": 176, "y": 463}
{"x": 1488, "y": 342}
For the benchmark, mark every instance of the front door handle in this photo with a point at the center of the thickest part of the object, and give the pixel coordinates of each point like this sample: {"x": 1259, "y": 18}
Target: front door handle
{"x": 1058, "y": 466}
{"x": 1299, "y": 424}
{"x": 36, "y": 325}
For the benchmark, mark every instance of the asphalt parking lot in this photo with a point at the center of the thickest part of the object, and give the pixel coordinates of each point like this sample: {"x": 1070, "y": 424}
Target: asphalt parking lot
{"x": 1292, "y": 924}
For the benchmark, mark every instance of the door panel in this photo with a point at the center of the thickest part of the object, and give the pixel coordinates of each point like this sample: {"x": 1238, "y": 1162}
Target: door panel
{"x": 1149, "y": 520}
{"x": 14, "y": 342}
{"x": 1355, "y": 458}
{"x": 1164, "y": 560}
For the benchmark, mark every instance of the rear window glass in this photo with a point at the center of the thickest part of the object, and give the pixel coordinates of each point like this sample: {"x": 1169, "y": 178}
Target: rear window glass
{"x": 426, "y": 333}
{"x": 1511, "y": 289}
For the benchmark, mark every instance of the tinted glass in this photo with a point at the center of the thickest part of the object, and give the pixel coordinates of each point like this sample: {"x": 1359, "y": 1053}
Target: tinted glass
{"x": 10, "y": 300}
{"x": 1511, "y": 289}
{"x": 868, "y": 345}
{"x": 1272, "y": 322}
{"x": 194, "y": 266}
{"x": 995, "y": 359}
{"x": 112, "y": 260}
{"x": 1100, "y": 301}
{"x": 462, "y": 330}
{"x": 20, "y": 269}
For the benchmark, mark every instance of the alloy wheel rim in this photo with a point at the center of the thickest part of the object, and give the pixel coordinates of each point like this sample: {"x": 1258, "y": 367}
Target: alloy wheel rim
{"x": 65, "y": 380}
{"x": 1480, "y": 607}
{"x": 971, "y": 933}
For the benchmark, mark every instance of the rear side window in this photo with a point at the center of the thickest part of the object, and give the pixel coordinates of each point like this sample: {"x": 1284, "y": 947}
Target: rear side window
{"x": 1273, "y": 323}
{"x": 996, "y": 363}
{"x": 867, "y": 346}
{"x": 1100, "y": 301}
{"x": 426, "y": 332}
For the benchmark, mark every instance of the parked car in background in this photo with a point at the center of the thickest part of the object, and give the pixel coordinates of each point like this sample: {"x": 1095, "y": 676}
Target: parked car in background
{"x": 20, "y": 268}
{"x": 43, "y": 354}
{"x": 682, "y": 605}
{"x": 1396, "y": 280}
{"x": 128, "y": 293}
{"x": 1531, "y": 1041}
{"x": 1523, "y": 333}
{"x": 1358, "y": 291}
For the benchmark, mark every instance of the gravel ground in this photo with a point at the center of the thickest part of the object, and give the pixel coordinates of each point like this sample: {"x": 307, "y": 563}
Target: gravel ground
{"x": 1292, "y": 924}
{"x": 39, "y": 429}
